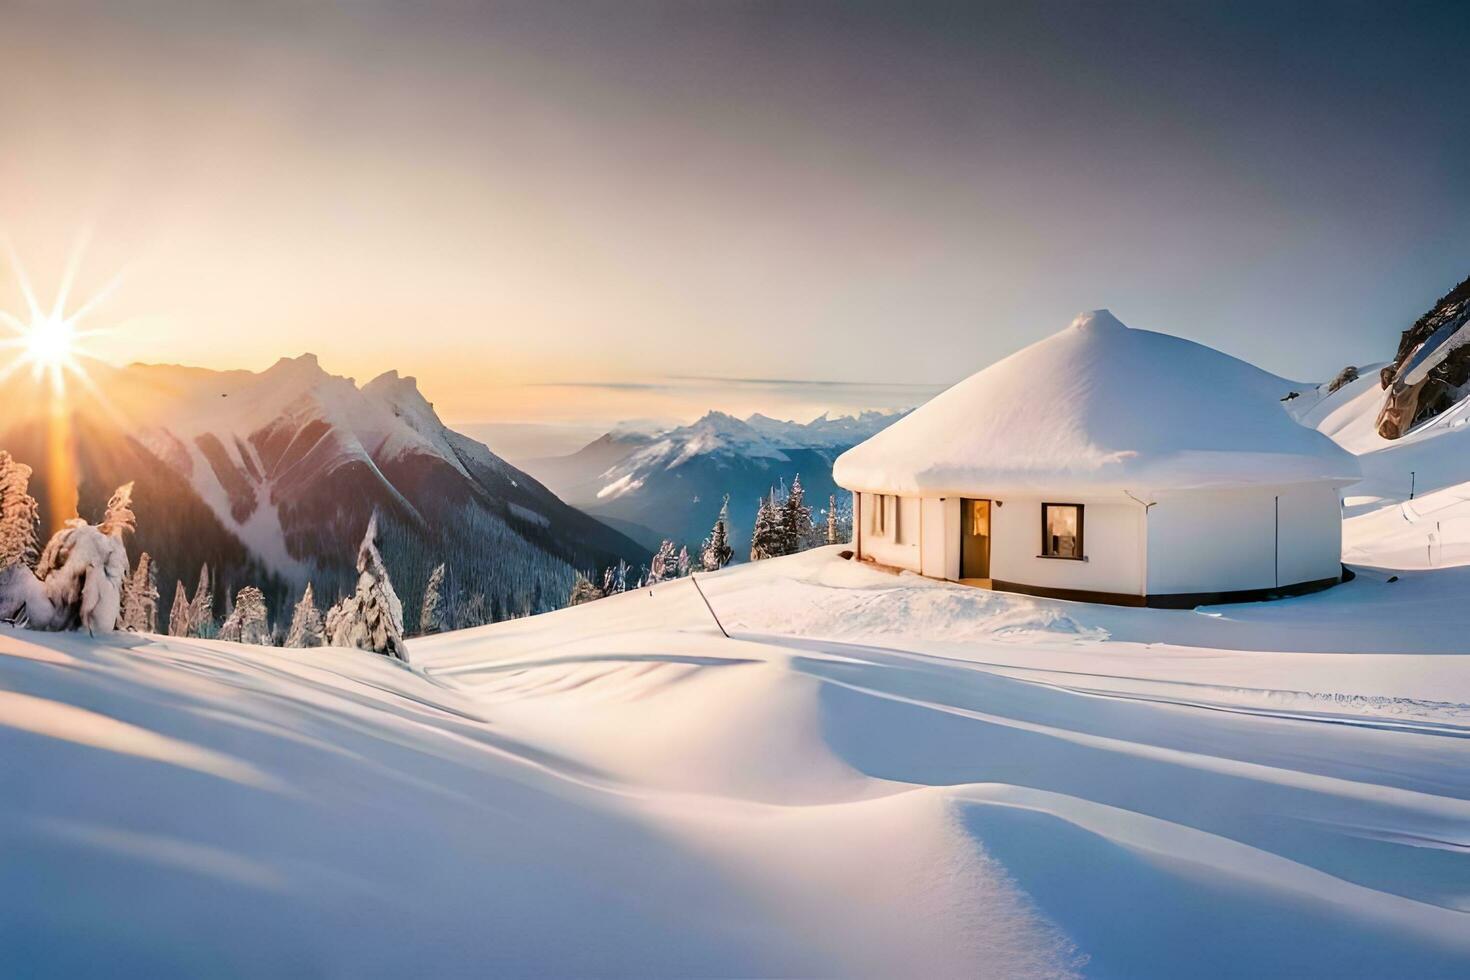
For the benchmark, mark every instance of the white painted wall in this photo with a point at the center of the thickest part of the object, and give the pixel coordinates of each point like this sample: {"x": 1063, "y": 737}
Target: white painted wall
{"x": 896, "y": 542}
{"x": 1227, "y": 540}
{"x": 1112, "y": 540}
{"x": 1310, "y": 535}
{"x": 1199, "y": 541}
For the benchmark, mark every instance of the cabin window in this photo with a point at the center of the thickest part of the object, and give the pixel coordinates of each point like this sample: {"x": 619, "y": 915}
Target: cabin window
{"x": 1061, "y": 531}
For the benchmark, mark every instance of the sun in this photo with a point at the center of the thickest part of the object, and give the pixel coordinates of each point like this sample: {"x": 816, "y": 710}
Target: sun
{"x": 49, "y": 342}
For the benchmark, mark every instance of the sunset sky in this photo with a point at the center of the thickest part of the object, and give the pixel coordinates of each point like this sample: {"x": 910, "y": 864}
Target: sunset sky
{"x": 584, "y": 212}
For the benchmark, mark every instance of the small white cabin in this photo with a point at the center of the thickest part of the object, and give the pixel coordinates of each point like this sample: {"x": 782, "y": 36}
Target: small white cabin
{"x": 1111, "y": 465}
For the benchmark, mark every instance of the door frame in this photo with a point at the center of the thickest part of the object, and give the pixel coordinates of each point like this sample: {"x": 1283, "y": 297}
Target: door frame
{"x": 989, "y": 503}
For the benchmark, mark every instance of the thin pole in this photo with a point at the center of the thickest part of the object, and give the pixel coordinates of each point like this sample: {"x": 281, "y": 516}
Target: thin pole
{"x": 709, "y": 607}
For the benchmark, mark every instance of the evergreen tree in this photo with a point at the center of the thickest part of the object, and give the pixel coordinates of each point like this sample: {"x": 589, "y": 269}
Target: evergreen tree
{"x": 583, "y": 591}
{"x": 307, "y": 628}
{"x": 119, "y": 516}
{"x": 140, "y": 601}
{"x": 474, "y": 612}
{"x": 20, "y": 517}
{"x": 832, "y": 519}
{"x": 247, "y": 622}
{"x": 717, "y": 552}
{"x": 796, "y": 520}
{"x": 201, "y": 607}
{"x": 178, "y": 616}
{"x": 431, "y": 613}
{"x": 683, "y": 562}
{"x": 765, "y": 537}
{"x": 664, "y": 564}
{"x": 372, "y": 617}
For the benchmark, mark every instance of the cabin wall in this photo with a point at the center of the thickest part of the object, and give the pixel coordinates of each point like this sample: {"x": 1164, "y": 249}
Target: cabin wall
{"x": 1112, "y": 541}
{"x": 891, "y": 529}
{"x": 1244, "y": 539}
{"x": 1309, "y": 519}
{"x": 1189, "y": 543}
{"x": 934, "y": 546}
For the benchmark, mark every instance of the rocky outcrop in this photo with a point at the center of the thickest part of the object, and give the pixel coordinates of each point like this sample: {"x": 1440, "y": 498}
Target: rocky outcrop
{"x": 1431, "y": 366}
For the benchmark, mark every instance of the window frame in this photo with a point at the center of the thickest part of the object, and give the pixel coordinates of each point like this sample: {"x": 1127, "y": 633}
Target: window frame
{"x": 1081, "y": 537}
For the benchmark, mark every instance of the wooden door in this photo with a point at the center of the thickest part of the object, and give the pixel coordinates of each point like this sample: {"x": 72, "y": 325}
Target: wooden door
{"x": 975, "y": 539}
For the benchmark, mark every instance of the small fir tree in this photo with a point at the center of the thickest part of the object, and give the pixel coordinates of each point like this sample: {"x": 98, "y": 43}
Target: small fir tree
{"x": 664, "y": 564}
{"x": 201, "y": 607}
{"x": 247, "y": 622}
{"x": 431, "y": 612}
{"x": 717, "y": 551}
{"x": 179, "y": 616}
{"x": 796, "y": 520}
{"x": 372, "y": 617}
{"x": 140, "y": 602}
{"x": 765, "y": 536}
{"x": 20, "y": 517}
{"x": 583, "y": 591}
{"x": 307, "y": 628}
{"x": 119, "y": 516}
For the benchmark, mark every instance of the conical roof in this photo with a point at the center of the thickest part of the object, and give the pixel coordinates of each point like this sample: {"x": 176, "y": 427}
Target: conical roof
{"x": 1099, "y": 407}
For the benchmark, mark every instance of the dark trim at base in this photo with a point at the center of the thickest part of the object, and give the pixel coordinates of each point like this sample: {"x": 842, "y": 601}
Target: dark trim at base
{"x": 1076, "y": 595}
{"x": 1177, "y": 600}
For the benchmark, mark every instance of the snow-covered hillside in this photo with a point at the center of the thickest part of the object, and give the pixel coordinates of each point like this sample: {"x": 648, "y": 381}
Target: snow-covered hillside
{"x": 1412, "y": 507}
{"x": 876, "y": 775}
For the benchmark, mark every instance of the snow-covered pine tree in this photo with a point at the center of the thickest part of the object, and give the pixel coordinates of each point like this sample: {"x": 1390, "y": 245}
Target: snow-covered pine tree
{"x": 796, "y": 520}
{"x": 77, "y": 583}
{"x": 119, "y": 516}
{"x": 178, "y": 616}
{"x": 307, "y": 628}
{"x": 583, "y": 591}
{"x": 832, "y": 519}
{"x": 372, "y": 617}
{"x": 717, "y": 550}
{"x": 765, "y": 537}
{"x": 685, "y": 565}
{"x": 247, "y": 623}
{"x": 201, "y": 607}
{"x": 431, "y": 613}
{"x": 140, "y": 601}
{"x": 20, "y": 517}
{"x": 664, "y": 564}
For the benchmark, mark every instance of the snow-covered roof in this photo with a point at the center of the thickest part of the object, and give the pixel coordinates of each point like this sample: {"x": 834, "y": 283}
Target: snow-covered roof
{"x": 1099, "y": 408}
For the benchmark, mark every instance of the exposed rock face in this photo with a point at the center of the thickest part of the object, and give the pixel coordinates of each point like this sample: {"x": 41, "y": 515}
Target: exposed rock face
{"x": 1430, "y": 367}
{"x": 1347, "y": 375}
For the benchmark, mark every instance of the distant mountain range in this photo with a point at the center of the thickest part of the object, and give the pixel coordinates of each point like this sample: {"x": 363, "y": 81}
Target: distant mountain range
{"x": 270, "y": 478}
{"x": 670, "y": 484}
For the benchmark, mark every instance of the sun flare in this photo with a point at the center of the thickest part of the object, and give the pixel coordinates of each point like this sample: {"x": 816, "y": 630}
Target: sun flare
{"x": 49, "y": 342}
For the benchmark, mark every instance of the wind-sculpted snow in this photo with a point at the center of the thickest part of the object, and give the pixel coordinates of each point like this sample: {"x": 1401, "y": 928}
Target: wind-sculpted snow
{"x": 875, "y": 775}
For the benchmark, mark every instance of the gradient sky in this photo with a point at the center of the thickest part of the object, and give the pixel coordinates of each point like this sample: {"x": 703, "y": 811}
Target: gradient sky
{"x": 584, "y": 212}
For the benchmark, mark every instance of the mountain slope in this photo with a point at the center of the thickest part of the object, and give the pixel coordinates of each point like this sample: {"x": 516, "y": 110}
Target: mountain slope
{"x": 291, "y": 461}
{"x": 672, "y": 483}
